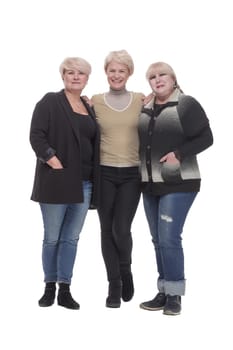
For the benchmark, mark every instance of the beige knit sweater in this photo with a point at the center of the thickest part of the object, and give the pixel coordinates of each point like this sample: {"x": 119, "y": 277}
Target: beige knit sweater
{"x": 119, "y": 130}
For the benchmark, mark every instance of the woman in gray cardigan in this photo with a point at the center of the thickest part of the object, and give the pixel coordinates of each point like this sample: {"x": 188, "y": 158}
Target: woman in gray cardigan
{"x": 65, "y": 137}
{"x": 173, "y": 129}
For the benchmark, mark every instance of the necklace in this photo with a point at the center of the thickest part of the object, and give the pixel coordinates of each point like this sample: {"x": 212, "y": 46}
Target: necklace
{"x": 76, "y": 104}
{"x": 79, "y": 103}
{"x": 74, "y": 100}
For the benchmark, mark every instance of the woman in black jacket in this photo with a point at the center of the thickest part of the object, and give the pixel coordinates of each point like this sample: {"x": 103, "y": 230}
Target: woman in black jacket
{"x": 173, "y": 129}
{"x": 65, "y": 137}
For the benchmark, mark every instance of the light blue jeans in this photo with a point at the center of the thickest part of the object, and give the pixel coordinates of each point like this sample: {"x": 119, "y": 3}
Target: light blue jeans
{"x": 62, "y": 226}
{"x": 166, "y": 217}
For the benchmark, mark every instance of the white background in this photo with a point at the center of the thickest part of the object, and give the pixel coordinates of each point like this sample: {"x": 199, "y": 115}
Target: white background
{"x": 195, "y": 37}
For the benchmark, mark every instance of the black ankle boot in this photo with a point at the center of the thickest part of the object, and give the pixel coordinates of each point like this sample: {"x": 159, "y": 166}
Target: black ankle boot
{"x": 49, "y": 295}
{"x": 127, "y": 286}
{"x": 114, "y": 294}
{"x": 64, "y": 297}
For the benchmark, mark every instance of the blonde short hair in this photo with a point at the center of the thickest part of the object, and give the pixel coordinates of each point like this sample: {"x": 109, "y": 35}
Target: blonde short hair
{"x": 121, "y": 56}
{"x": 76, "y": 63}
{"x": 163, "y": 68}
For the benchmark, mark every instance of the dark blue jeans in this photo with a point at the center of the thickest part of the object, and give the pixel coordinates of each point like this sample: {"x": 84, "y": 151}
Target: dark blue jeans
{"x": 166, "y": 217}
{"x": 120, "y": 194}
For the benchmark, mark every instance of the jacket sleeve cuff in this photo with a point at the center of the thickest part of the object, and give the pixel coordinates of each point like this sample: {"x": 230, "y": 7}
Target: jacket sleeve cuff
{"x": 48, "y": 154}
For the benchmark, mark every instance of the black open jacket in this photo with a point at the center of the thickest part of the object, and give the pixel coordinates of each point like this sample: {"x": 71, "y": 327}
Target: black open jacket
{"x": 52, "y": 132}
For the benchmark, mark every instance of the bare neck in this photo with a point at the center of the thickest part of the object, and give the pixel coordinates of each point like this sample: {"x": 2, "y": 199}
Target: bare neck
{"x": 73, "y": 95}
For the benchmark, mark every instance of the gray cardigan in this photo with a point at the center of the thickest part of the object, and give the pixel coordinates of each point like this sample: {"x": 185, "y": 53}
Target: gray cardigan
{"x": 179, "y": 126}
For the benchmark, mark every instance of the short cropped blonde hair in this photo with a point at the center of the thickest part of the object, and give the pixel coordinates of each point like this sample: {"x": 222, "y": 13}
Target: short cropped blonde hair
{"x": 76, "y": 63}
{"x": 163, "y": 68}
{"x": 121, "y": 56}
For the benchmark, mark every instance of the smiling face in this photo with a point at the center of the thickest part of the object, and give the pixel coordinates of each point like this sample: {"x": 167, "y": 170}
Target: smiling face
{"x": 162, "y": 81}
{"x": 117, "y": 75}
{"x": 74, "y": 80}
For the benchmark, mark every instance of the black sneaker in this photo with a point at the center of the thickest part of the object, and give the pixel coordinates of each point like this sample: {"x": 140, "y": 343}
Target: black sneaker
{"x": 173, "y": 305}
{"x": 155, "y": 304}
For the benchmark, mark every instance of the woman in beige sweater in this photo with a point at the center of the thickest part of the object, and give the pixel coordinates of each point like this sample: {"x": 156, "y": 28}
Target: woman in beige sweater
{"x": 117, "y": 114}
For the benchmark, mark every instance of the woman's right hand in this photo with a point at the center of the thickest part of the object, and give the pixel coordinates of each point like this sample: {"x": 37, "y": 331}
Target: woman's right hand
{"x": 55, "y": 163}
{"x": 88, "y": 100}
{"x": 170, "y": 158}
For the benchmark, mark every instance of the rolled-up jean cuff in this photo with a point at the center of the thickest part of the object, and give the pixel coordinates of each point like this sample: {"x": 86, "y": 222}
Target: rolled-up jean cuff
{"x": 160, "y": 286}
{"x": 171, "y": 287}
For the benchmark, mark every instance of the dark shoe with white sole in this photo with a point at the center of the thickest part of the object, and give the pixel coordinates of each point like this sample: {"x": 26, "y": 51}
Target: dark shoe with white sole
{"x": 173, "y": 305}
{"x": 155, "y": 304}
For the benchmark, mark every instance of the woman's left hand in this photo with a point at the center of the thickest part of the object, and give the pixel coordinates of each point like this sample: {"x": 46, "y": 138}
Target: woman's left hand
{"x": 148, "y": 98}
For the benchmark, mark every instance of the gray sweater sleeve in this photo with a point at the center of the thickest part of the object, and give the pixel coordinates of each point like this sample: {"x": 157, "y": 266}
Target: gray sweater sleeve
{"x": 195, "y": 124}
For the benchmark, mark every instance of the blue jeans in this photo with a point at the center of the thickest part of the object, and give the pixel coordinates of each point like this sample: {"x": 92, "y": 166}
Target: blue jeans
{"x": 62, "y": 226}
{"x": 166, "y": 217}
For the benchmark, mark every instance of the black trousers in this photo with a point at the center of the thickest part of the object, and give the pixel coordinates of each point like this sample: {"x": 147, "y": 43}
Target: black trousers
{"x": 120, "y": 194}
